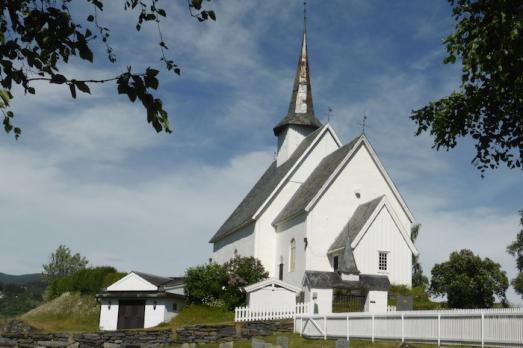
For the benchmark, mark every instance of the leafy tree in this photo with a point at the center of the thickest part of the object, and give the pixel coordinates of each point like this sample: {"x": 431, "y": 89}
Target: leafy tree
{"x": 213, "y": 283}
{"x": 418, "y": 279}
{"x": 205, "y": 283}
{"x": 241, "y": 271}
{"x": 488, "y": 42}
{"x": 85, "y": 281}
{"x": 469, "y": 281}
{"x": 516, "y": 249}
{"x": 38, "y": 37}
{"x": 62, "y": 263}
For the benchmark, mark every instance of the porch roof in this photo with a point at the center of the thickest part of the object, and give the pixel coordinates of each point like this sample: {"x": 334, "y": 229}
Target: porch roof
{"x": 331, "y": 280}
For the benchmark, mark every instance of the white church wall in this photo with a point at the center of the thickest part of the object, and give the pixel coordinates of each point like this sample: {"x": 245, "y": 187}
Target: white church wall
{"x": 289, "y": 140}
{"x": 287, "y": 231}
{"x": 241, "y": 241}
{"x": 334, "y": 209}
{"x": 265, "y": 236}
{"x": 108, "y": 314}
{"x": 384, "y": 236}
{"x": 132, "y": 282}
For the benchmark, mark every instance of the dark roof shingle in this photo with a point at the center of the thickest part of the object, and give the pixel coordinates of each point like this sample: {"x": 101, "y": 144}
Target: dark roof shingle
{"x": 160, "y": 281}
{"x": 331, "y": 280}
{"x": 244, "y": 212}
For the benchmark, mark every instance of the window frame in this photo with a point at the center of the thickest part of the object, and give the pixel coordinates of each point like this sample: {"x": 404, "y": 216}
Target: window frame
{"x": 386, "y": 261}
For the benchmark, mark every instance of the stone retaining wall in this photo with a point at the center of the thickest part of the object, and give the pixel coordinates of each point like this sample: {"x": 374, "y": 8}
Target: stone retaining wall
{"x": 144, "y": 338}
{"x": 224, "y": 333}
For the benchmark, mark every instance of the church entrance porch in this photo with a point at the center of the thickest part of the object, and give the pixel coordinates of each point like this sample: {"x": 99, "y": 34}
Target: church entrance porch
{"x": 348, "y": 300}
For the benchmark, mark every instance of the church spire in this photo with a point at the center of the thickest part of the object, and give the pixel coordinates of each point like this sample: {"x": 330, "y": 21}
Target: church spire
{"x": 301, "y": 110}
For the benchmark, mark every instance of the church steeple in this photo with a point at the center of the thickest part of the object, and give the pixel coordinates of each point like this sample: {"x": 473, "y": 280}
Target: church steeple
{"x": 300, "y": 120}
{"x": 301, "y": 109}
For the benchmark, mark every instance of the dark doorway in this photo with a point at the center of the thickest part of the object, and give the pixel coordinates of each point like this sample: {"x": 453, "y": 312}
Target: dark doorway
{"x": 131, "y": 314}
{"x": 348, "y": 300}
{"x": 280, "y": 275}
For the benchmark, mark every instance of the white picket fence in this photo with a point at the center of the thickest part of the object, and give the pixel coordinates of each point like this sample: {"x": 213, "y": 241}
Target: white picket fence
{"x": 482, "y": 327}
{"x": 270, "y": 313}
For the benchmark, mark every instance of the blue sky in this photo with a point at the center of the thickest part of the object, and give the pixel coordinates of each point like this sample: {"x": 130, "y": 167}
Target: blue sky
{"x": 93, "y": 175}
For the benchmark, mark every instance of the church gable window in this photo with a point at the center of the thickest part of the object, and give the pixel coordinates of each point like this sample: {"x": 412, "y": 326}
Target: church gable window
{"x": 383, "y": 260}
{"x": 292, "y": 256}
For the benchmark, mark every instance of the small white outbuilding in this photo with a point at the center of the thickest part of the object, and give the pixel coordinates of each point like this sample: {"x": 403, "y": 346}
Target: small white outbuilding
{"x": 140, "y": 300}
{"x": 271, "y": 293}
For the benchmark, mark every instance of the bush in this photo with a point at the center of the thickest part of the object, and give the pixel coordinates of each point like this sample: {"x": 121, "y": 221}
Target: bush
{"x": 213, "y": 284}
{"x": 420, "y": 297}
{"x": 85, "y": 281}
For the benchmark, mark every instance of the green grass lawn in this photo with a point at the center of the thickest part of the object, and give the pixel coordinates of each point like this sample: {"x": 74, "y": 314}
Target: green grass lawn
{"x": 67, "y": 313}
{"x": 296, "y": 341}
{"x": 199, "y": 314}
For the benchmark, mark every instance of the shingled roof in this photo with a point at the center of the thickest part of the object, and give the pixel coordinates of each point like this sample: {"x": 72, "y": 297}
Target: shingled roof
{"x": 355, "y": 224}
{"x": 331, "y": 280}
{"x": 301, "y": 108}
{"x": 160, "y": 281}
{"x": 314, "y": 182}
{"x": 243, "y": 214}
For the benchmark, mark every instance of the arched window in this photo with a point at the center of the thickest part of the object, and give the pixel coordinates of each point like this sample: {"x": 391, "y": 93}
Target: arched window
{"x": 292, "y": 256}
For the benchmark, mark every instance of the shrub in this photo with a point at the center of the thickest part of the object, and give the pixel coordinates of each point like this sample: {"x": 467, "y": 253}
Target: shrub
{"x": 85, "y": 281}
{"x": 213, "y": 284}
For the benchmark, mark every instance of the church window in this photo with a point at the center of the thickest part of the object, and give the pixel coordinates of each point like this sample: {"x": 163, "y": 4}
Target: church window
{"x": 335, "y": 263}
{"x": 382, "y": 260}
{"x": 292, "y": 257}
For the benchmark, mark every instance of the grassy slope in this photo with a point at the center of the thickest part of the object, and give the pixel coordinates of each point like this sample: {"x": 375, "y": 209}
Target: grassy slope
{"x": 69, "y": 312}
{"x": 198, "y": 314}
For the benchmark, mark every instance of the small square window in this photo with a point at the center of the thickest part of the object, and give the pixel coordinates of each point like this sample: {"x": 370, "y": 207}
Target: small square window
{"x": 335, "y": 263}
{"x": 175, "y": 307}
{"x": 382, "y": 261}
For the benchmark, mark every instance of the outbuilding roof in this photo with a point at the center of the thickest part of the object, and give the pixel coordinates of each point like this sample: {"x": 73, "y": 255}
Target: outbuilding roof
{"x": 331, "y": 280}
{"x": 244, "y": 212}
{"x": 159, "y": 280}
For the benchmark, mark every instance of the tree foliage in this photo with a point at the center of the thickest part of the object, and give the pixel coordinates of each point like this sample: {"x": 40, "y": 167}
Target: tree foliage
{"x": 38, "y": 37}
{"x": 62, "y": 263}
{"x": 488, "y": 42}
{"x": 241, "y": 271}
{"x": 213, "y": 283}
{"x": 86, "y": 281}
{"x": 418, "y": 279}
{"x": 469, "y": 281}
{"x": 516, "y": 249}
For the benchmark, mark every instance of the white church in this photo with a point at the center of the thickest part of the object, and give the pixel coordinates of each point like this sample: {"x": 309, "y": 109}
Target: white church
{"x": 324, "y": 219}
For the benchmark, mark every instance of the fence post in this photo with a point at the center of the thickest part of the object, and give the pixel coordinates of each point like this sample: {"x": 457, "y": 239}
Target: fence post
{"x": 439, "y": 329}
{"x": 348, "y": 336}
{"x": 373, "y": 328}
{"x": 482, "y": 329}
{"x": 402, "y": 328}
{"x": 325, "y": 327}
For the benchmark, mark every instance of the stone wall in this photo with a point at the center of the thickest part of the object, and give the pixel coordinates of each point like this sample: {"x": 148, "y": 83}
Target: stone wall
{"x": 19, "y": 335}
{"x": 223, "y": 333}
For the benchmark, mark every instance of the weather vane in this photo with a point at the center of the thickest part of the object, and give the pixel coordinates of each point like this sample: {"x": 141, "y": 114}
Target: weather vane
{"x": 329, "y": 114}
{"x": 305, "y": 15}
{"x": 363, "y": 122}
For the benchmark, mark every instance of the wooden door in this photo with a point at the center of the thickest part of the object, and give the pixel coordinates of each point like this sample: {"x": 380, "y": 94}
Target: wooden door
{"x": 131, "y": 314}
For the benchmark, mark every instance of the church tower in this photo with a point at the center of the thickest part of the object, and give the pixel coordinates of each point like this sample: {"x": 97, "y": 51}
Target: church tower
{"x": 300, "y": 120}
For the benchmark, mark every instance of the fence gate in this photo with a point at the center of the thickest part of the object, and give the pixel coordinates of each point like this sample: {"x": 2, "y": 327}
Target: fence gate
{"x": 348, "y": 300}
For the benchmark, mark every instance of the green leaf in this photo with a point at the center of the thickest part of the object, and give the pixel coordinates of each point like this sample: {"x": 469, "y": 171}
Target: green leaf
{"x": 212, "y": 15}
